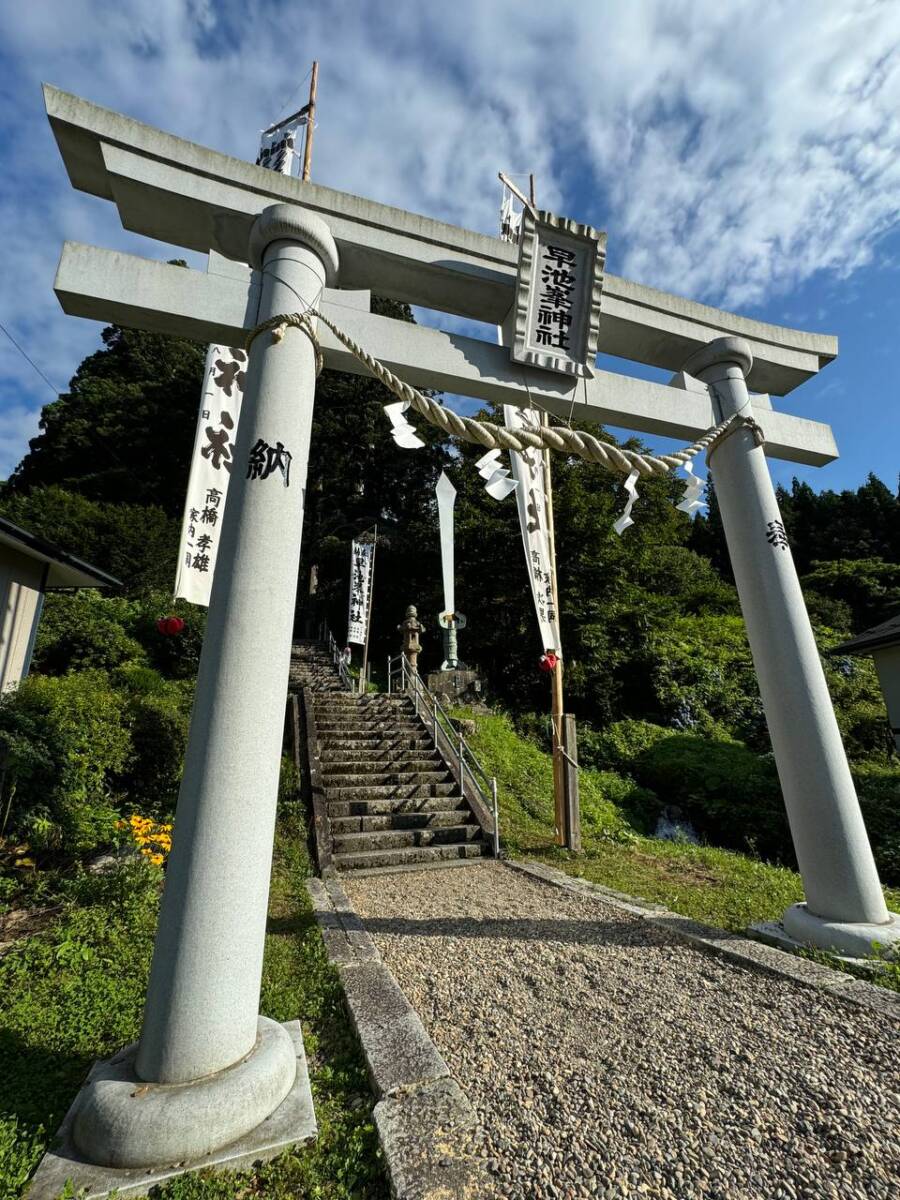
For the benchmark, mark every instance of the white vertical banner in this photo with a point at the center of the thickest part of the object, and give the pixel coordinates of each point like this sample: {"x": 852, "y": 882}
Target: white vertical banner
{"x": 211, "y": 464}
{"x": 277, "y": 146}
{"x": 531, "y": 497}
{"x": 361, "y": 555}
{"x": 220, "y": 407}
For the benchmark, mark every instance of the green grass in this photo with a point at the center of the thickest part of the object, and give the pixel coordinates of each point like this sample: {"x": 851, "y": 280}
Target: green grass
{"x": 74, "y": 992}
{"x": 719, "y": 887}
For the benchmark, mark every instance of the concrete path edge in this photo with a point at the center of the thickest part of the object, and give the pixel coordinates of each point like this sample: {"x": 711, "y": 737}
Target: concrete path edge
{"x": 421, "y": 1115}
{"x": 754, "y": 956}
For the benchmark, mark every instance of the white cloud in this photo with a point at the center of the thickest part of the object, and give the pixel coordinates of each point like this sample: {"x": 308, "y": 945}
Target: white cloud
{"x": 732, "y": 150}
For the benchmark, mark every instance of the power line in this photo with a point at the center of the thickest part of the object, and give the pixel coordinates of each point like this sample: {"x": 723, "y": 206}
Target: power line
{"x": 96, "y": 433}
{"x": 30, "y": 361}
{"x": 295, "y": 91}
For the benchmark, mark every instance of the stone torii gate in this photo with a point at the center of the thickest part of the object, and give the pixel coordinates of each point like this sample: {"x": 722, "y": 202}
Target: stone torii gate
{"x": 208, "y": 1070}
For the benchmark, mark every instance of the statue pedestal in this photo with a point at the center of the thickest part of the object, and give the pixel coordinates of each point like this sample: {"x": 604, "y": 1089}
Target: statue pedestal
{"x": 459, "y": 686}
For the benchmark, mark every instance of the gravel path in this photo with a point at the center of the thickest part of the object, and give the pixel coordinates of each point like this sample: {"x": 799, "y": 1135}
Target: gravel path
{"x": 605, "y": 1060}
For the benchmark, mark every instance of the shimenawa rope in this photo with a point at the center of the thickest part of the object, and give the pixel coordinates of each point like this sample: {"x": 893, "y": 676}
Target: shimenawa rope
{"x": 484, "y": 433}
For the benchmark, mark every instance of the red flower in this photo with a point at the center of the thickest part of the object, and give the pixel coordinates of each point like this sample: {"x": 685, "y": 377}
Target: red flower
{"x": 170, "y": 625}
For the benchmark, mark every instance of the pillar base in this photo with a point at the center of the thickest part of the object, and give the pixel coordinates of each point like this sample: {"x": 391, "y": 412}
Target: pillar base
{"x": 198, "y": 1114}
{"x": 847, "y": 938}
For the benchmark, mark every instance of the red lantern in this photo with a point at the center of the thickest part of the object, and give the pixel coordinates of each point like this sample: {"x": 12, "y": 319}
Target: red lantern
{"x": 548, "y": 661}
{"x": 170, "y": 625}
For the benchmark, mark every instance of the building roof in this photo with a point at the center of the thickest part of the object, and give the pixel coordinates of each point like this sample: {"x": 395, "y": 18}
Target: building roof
{"x": 880, "y": 636}
{"x": 63, "y": 570}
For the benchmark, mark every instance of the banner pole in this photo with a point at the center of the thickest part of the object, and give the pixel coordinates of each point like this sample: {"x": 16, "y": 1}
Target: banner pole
{"x": 557, "y": 704}
{"x": 564, "y": 833}
{"x": 310, "y": 124}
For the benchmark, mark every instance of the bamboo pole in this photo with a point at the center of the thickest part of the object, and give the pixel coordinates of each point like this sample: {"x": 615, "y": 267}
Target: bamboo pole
{"x": 310, "y": 124}
{"x": 557, "y": 704}
{"x": 565, "y": 835}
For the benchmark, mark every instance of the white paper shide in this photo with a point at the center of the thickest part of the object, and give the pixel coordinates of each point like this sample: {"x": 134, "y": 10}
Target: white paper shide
{"x": 531, "y": 496}
{"x": 361, "y": 554}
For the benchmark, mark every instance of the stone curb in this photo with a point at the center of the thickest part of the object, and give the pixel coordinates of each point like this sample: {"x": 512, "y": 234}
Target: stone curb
{"x": 754, "y": 956}
{"x": 422, "y": 1116}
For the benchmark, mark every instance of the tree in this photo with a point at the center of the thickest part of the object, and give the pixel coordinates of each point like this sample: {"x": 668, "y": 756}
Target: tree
{"x": 137, "y": 544}
{"x": 869, "y": 588}
{"x": 822, "y": 526}
{"x": 358, "y": 477}
{"x": 123, "y": 432}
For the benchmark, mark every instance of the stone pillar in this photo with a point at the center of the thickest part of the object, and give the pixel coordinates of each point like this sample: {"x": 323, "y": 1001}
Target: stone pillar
{"x": 845, "y": 908}
{"x": 228, "y": 1068}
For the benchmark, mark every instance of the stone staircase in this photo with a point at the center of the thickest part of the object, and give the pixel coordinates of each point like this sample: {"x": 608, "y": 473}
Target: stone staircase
{"x": 389, "y": 797}
{"x": 311, "y": 667}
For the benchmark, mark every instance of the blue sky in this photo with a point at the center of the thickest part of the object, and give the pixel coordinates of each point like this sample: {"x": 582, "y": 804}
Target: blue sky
{"x": 746, "y": 155}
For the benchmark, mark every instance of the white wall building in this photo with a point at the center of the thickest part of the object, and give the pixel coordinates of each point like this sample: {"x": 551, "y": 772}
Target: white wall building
{"x": 29, "y": 567}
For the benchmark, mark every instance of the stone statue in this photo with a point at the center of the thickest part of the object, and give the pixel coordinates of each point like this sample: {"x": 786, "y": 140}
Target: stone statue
{"x": 411, "y": 627}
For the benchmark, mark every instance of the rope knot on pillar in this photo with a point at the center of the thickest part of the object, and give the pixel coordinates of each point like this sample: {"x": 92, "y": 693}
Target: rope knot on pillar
{"x": 280, "y": 325}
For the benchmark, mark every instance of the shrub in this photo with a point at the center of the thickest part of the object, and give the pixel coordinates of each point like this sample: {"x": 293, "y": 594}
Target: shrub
{"x": 702, "y": 677}
{"x": 175, "y": 657}
{"x": 878, "y": 787}
{"x": 618, "y": 795}
{"x": 159, "y": 712}
{"x": 61, "y": 739}
{"x": 858, "y": 701}
{"x": 86, "y": 630}
{"x": 728, "y": 792}
{"x": 616, "y": 747}
{"x": 83, "y": 630}
{"x": 288, "y": 783}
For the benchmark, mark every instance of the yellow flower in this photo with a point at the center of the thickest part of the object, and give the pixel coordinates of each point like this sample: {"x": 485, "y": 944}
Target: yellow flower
{"x": 156, "y": 859}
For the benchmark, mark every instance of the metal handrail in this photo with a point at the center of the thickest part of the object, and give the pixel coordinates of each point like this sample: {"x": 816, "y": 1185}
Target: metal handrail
{"x": 411, "y": 682}
{"x": 336, "y": 657}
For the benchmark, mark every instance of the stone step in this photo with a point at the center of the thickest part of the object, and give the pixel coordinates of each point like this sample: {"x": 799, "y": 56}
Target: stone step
{"x": 334, "y": 747}
{"x": 422, "y": 758}
{"x": 413, "y": 854}
{"x": 387, "y": 779}
{"x": 398, "y": 820}
{"x": 380, "y": 791}
{"x": 351, "y": 706}
{"x": 396, "y": 839}
{"x": 386, "y": 806}
{"x": 339, "y": 708}
{"x": 373, "y": 726}
{"x": 391, "y": 761}
{"x": 383, "y": 729}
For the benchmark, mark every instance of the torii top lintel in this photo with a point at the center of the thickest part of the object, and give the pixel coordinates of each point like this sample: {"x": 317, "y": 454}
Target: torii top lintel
{"x": 179, "y": 192}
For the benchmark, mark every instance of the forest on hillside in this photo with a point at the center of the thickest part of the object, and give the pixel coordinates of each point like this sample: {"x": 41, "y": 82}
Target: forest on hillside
{"x": 658, "y": 670}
